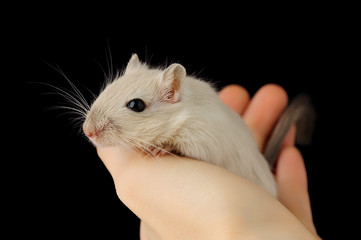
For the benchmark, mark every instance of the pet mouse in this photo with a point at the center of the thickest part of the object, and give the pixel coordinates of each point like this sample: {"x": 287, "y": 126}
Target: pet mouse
{"x": 164, "y": 110}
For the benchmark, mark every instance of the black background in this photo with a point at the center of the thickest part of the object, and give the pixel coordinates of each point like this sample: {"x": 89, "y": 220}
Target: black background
{"x": 59, "y": 186}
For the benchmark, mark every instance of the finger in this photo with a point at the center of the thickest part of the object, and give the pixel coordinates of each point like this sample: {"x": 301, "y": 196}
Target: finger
{"x": 291, "y": 179}
{"x": 264, "y": 110}
{"x": 235, "y": 97}
{"x": 289, "y": 140}
{"x": 290, "y": 137}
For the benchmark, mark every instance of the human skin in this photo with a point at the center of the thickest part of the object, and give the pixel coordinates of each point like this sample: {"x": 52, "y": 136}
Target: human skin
{"x": 181, "y": 198}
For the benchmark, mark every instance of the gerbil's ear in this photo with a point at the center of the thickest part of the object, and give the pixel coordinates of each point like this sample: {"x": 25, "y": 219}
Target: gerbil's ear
{"x": 133, "y": 63}
{"x": 171, "y": 82}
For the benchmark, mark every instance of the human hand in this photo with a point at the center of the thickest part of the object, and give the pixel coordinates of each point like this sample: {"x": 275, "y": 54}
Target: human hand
{"x": 181, "y": 198}
{"x": 261, "y": 114}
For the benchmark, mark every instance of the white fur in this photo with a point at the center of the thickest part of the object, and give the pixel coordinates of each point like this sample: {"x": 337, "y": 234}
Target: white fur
{"x": 183, "y": 114}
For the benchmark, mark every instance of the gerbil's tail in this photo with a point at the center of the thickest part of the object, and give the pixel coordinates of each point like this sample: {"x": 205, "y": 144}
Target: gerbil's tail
{"x": 299, "y": 112}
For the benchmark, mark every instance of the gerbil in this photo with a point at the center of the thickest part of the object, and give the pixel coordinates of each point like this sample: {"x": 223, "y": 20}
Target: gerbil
{"x": 165, "y": 110}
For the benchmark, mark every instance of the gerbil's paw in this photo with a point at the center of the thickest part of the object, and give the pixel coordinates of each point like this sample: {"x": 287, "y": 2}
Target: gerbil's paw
{"x": 156, "y": 151}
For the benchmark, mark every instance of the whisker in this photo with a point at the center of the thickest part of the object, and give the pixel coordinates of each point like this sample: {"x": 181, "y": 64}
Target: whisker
{"x": 76, "y": 90}
{"x": 76, "y": 94}
{"x": 110, "y": 61}
{"x": 107, "y": 80}
{"x": 136, "y": 144}
{"x": 73, "y": 100}
{"x": 129, "y": 145}
{"x": 73, "y": 110}
{"x": 101, "y": 67}
{"x": 68, "y": 96}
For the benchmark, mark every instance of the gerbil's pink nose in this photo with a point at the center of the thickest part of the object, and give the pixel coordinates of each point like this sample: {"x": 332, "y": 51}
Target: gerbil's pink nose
{"x": 88, "y": 131}
{"x": 89, "y": 134}
{"x": 93, "y": 131}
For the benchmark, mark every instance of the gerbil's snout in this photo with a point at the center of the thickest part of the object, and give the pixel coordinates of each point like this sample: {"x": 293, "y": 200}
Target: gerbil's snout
{"x": 89, "y": 132}
{"x": 94, "y": 131}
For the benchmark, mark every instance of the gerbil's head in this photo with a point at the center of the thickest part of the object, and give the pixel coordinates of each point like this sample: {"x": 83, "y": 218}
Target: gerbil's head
{"x": 138, "y": 108}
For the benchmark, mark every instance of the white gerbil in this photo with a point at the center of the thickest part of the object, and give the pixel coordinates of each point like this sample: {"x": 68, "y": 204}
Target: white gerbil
{"x": 165, "y": 110}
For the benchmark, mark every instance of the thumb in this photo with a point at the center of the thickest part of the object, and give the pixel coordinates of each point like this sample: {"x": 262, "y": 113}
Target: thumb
{"x": 115, "y": 159}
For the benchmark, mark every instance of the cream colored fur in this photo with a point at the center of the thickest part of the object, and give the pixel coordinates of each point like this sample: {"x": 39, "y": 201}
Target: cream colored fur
{"x": 183, "y": 115}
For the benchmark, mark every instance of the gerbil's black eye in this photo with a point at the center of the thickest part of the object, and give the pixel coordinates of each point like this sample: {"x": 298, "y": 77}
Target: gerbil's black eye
{"x": 137, "y": 105}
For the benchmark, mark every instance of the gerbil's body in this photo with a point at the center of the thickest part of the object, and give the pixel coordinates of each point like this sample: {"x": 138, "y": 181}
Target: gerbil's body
{"x": 214, "y": 133}
{"x": 164, "y": 109}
